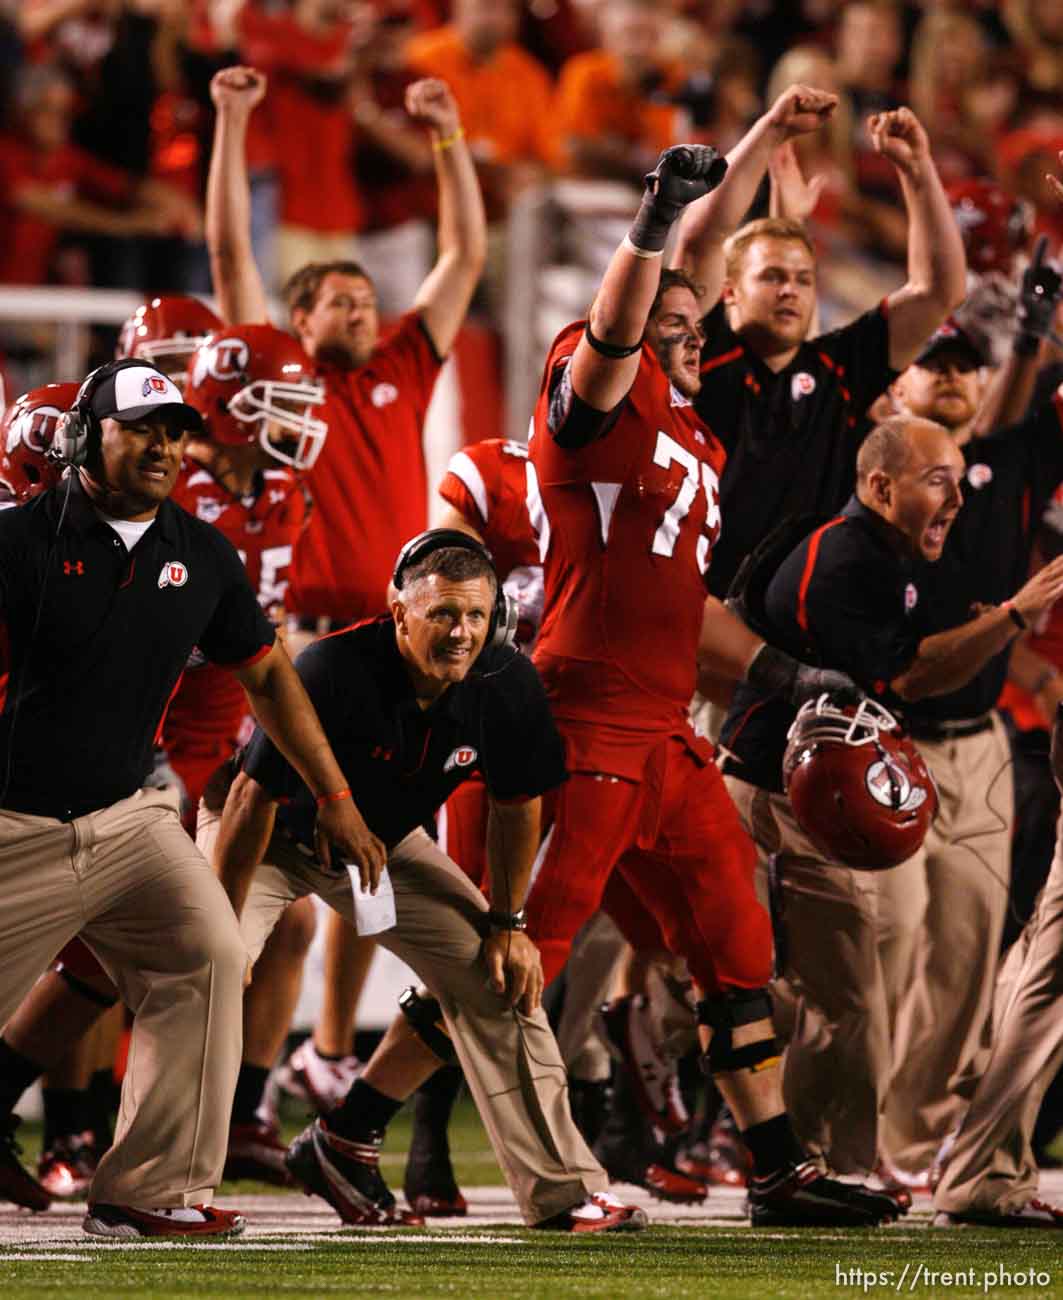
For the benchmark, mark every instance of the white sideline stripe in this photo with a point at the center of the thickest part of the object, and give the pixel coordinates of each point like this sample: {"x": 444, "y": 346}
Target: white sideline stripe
{"x": 41, "y": 1255}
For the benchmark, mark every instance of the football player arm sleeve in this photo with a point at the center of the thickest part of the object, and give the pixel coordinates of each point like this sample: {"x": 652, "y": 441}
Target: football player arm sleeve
{"x": 237, "y": 281}
{"x": 243, "y": 836}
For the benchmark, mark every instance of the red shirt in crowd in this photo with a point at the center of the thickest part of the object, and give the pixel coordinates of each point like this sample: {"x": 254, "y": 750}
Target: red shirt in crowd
{"x": 369, "y": 485}
{"x": 27, "y": 242}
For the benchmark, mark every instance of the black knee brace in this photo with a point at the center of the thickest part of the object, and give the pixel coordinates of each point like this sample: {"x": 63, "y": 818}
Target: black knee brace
{"x": 425, "y": 1017}
{"x": 723, "y": 1014}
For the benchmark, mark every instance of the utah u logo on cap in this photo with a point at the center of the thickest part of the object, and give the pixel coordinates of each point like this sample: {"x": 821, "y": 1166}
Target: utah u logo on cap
{"x": 174, "y": 574}
{"x": 153, "y": 384}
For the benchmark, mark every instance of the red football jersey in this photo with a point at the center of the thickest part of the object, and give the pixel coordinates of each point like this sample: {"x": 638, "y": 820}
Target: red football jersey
{"x": 488, "y": 484}
{"x": 210, "y": 705}
{"x": 626, "y": 524}
{"x": 369, "y": 485}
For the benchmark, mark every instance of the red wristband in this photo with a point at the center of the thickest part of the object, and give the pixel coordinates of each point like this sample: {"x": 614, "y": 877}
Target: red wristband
{"x": 323, "y": 799}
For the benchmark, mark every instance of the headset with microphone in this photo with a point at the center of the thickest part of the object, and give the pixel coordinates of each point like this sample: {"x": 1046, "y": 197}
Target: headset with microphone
{"x": 502, "y": 628}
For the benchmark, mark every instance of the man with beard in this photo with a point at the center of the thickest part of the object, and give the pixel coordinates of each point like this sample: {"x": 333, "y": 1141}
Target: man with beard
{"x": 956, "y": 888}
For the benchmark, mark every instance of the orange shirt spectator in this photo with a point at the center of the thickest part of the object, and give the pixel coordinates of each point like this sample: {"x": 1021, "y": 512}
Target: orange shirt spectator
{"x": 595, "y": 101}
{"x": 505, "y": 99}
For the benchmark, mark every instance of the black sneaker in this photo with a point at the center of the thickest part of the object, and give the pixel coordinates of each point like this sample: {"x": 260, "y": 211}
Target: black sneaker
{"x": 347, "y": 1175}
{"x": 16, "y": 1183}
{"x": 799, "y": 1196}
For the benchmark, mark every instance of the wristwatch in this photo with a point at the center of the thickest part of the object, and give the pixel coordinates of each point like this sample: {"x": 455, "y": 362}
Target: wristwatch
{"x": 507, "y": 920}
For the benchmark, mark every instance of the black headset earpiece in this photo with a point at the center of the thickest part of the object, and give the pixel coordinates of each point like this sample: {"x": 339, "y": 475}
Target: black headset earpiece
{"x": 78, "y": 432}
{"x": 502, "y": 630}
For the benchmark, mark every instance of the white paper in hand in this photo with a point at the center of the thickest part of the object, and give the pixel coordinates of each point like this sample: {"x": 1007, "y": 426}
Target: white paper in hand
{"x": 372, "y": 912}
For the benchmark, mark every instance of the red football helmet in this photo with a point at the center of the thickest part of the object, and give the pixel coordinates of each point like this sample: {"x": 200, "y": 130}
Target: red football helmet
{"x": 858, "y": 787}
{"x": 254, "y": 383}
{"x": 166, "y": 331}
{"x": 26, "y": 433}
{"x": 994, "y": 224}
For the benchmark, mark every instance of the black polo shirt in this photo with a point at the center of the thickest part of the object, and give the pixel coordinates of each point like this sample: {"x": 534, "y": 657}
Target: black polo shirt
{"x": 844, "y": 598}
{"x": 1010, "y": 478}
{"x": 791, "y": 437}
{"x": 99, "y": 637}
{"x": 403, "y": 762}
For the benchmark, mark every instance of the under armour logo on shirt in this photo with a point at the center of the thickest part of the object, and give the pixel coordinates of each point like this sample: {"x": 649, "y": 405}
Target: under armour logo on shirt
{"x": 74, "y": 566}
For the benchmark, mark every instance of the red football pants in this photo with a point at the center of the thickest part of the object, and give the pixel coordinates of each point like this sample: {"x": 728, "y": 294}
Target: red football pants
{"x": 676, "y": 840}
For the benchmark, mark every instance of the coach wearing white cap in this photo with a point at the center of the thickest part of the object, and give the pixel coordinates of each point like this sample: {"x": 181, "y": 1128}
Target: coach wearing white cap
{"x": 106, "y": 587}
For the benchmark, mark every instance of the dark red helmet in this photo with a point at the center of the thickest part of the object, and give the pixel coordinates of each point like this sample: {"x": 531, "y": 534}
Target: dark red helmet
{"x": 166, "y": 331}
{"x": 254, "y": 383}
{"x": 994, "y": 224}
{"x": 26, "y": 433}
{"x": 858, "y": 787}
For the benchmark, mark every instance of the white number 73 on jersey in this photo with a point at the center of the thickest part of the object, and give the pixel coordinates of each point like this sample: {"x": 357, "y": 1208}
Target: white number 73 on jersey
{"x": 699, "y": 475}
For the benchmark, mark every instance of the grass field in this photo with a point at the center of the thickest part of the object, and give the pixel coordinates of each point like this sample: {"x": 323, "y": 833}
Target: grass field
{"x": 295, "y": 1247}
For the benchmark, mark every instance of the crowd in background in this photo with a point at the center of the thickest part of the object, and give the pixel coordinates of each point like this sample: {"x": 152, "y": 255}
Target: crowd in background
{"x": 107, "y": 115}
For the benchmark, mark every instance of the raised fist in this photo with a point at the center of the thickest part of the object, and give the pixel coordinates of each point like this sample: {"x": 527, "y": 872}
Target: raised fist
{"x": 430, "y": 102}
{"x": 237, "y": 89}
{"x": 900, "y": 137}
{"x": 684, "y": 173}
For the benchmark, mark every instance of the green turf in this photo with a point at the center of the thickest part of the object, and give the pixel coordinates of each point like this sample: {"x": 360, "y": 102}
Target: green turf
{"x": 512, "y": 1264}
{"x": 725, "y": 1264}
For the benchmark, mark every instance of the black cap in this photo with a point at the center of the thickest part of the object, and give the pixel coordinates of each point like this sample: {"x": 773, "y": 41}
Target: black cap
{"x": 951, "y": 335}
{"x": 133, "y": 392}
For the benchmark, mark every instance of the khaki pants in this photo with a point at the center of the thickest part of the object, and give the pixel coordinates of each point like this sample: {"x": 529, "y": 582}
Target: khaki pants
{"x": 991, "y": 1166}
{"x": 844, "y": 943}
{"x": 511, "y": 1061}
{"x": 941, "y": 1040}
{"x": 130, "y": 881}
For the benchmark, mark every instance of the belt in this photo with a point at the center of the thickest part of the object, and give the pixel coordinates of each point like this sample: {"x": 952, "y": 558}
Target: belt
{"x": 955, "y": 730}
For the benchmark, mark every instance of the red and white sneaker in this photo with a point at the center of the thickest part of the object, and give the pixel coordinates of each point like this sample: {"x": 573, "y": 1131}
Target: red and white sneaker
{"x": 1034, "y": 1214}
{"x": 311, "y": 1077}
{"x": 600, "y": 1212}
{"x": 189, "y": 1222}
{"x": 628, "y": 1031}
{"x": 67, "y": 1168}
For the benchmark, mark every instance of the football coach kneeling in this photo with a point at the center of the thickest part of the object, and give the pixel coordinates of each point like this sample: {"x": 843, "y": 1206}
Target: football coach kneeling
{"x": 413, "y": 704}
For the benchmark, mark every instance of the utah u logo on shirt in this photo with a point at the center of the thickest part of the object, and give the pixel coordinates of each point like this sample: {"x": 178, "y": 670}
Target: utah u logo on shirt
{"x": 463, "y": 756}
{"x": 174, "y": 574}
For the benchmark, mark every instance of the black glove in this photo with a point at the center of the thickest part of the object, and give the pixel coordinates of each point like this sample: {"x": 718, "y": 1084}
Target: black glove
{"x": 777, "y": 673}
{"x": 810, "y": 682}
{"x": 1039, "y": 295}
{"x": 683, "y": 173}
